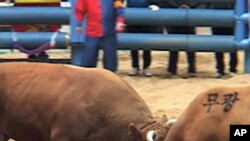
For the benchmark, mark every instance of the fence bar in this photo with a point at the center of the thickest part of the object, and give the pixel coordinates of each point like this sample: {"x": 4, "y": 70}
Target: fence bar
{"x": 143, "y": 16}
{"x": 32, "y": 40}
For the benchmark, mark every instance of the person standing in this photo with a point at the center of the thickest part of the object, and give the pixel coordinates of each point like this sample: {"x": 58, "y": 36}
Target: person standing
{"x": 142, "y": 29}
{"x": 174, "y": 55}
{"x": 104, "y": 18}
{"x": 219, "y": 56}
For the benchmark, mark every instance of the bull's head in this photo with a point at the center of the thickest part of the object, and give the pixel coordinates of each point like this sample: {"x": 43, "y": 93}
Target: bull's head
{"x": 154, "y": 131}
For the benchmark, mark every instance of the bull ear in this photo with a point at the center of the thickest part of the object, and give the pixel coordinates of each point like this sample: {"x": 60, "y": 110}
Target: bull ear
{"x": 134, "y": 131}
{"x": 164, "y": 119}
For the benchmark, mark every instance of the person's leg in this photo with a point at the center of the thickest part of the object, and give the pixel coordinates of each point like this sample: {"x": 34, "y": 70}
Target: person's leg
{"x": 134, "y": 52}
{"x": 147, "y": 53}
{"x": 173, "y": 59}
{"x": 233, "y": 55}
{"x": 90, "y": 52}
{"x": 135, "y": 59}
{"x": 146, "y": 63}
{"x": 77, "y": 54}
{"x": 173, "y": 55}
{"x": 220, "y": 66}
{"x": 233, "y": 62}
{"x": 135, "y": 63}
{"x": 146, "y": 59}
{"x": 191, "y": 61}
{"x": 110, "y": 46}
{"x": 190, "y": 54}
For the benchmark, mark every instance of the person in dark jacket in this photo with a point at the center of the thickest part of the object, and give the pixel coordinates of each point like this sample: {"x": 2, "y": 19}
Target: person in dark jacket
{"x": 174, "y": 55}
{"x": 219, "y": 56}
{"x": 141, "y": 29}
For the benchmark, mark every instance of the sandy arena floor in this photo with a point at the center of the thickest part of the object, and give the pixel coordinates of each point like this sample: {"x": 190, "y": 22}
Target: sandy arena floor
{"x": 172, "y": 96}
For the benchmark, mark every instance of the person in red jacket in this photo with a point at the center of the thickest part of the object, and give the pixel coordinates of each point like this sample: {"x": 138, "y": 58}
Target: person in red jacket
{"x": 105, "y": 18}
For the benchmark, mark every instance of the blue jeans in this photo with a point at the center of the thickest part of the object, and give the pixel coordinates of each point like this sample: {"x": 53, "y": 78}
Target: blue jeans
{"x": 87, "y": 56}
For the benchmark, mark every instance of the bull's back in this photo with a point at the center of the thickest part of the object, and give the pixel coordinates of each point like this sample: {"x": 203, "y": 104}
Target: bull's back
{"x": 209, "y": 115}
{"x": 35, "y": 95}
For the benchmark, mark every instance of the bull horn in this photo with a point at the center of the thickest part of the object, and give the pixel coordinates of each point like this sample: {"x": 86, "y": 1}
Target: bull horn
{"x": 171, "y": 122}
{"x": 150, "y": 135}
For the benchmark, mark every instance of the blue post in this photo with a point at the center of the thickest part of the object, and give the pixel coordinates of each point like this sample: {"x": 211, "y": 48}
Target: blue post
{"x": 241, "y": 30}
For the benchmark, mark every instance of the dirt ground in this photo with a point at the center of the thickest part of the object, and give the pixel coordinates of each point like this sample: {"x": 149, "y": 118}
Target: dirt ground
{"x": 169, "y": 96}
{"x": 172, "y": 96}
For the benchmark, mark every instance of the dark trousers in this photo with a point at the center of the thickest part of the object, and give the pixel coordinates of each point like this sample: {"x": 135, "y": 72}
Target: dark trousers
{"x": 219, "y": 56}
{"x": 146, "y": 53}
{"x": 173, "y": 59}
{"x": 146, "y": 59}
{"x": 220, "y": 66}
{"x": 174, "y": 55}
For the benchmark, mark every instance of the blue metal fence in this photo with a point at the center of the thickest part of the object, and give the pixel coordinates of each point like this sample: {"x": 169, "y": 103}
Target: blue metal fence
{"x": 237, "y": 18}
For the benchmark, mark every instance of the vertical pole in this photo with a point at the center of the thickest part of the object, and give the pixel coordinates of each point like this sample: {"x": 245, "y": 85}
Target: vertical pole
{"x": 247, "y": 51}
{"x": 241, "y": 30}
{"x": 77, "y": 40}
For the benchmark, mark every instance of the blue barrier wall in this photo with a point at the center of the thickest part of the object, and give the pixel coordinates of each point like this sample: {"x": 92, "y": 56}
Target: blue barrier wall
{"x": 192, "y": 17}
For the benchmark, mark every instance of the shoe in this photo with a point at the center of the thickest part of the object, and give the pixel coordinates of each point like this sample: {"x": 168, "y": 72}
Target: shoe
{"x": 134, "y": 72}
{"x": 147, "y": 72}
{"x": 221, "y": 75}
{"x": 232, "y": 74}
{"x": 171, "y": 75}
{"x": 190, "y": 75}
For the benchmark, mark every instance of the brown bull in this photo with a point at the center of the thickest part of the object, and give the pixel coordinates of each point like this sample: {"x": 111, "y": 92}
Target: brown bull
{"x": 209, "y": 116}
{"x": 48, "y": 102}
